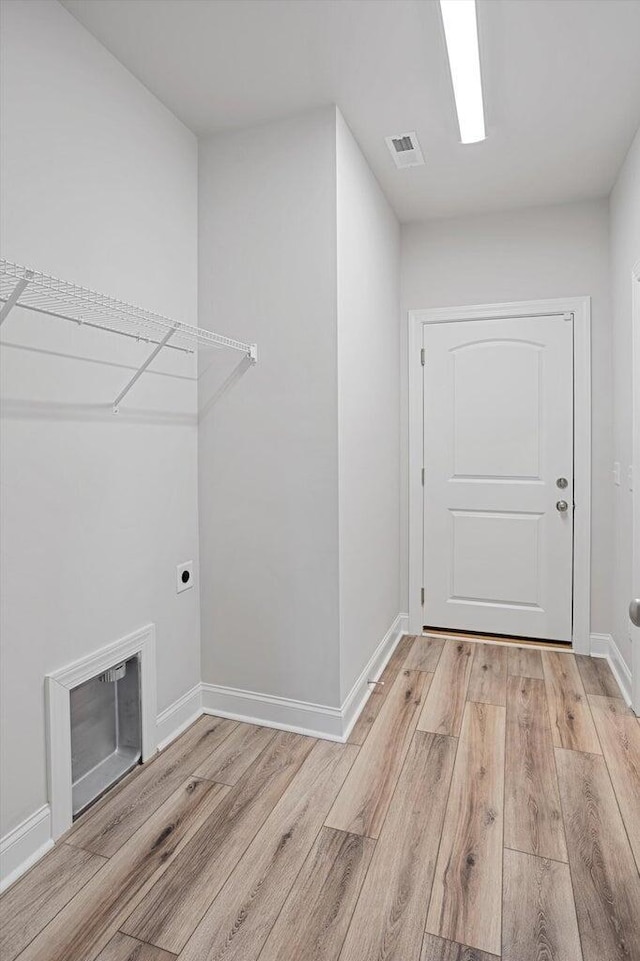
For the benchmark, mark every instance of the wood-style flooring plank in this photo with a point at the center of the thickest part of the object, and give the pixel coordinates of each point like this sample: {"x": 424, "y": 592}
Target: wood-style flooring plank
{"x": 524, "y": 662}
{"x": 620, "y": 738}
{"x": 437, "y": 949}
{"x": 444, "y": 704}
{"x": 606, "y": 885}
{"x": 425, "y": 654}
{"x": 572, "y": 726}
{"x": 106, "y": 827}
{"x": 89, "y": 921}
{"x": 28, "y": 906}
{"x": 390, "y": 916}
{"x": 123, "y": 948}
{"x": 238, "y": 922}
{"x": 532, "y": 815}
{"x": 466, "y": 898}
{"x": 171, "y": 911}
{"x": 488, "y": 681}
{"x": 379, "y": 694}
{"x": 361, "y": 805}
{"x": 235, "y": 754}
{"x": 315, "y": 916}
{"x": 597, "y": 677}
{"x": 539, "y": 913}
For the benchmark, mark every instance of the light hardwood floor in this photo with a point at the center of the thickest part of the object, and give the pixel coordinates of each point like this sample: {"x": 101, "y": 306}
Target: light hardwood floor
{"x": 486, "y": 807}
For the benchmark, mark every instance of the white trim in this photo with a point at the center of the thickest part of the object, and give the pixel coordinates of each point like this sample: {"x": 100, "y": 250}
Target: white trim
{"x": 179, "y": 716}
{"x": 25, "y": 845}
{"x": 58, "y": 686}
{"x": 600, "y": 645}
{"x": 303, "y": 717}
{"x": 635, "y": 501}
{"x": 359, "y": 694}
{"x": 416, "y": 463}
{"x": 580, "y": 307}
{"x": 621, "y": 670}
{"x": 603, "y": 645}
{"x": 582, "y": 474}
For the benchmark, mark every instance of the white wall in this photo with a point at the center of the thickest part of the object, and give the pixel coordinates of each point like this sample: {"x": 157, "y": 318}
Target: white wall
{"x": 269, "y": 446}
{"x": 625, "y": 252}
{"x": 368, "y": 408}
{"x": 299, "y": 459}
{"x": 99, "y": 186}
{"x": 526, "y": 255}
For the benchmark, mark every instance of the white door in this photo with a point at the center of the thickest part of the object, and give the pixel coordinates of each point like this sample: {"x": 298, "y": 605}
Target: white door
{"x": 498, "y": 488}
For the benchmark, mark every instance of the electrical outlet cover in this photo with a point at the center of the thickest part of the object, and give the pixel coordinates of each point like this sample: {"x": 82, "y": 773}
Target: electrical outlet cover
{"x": 184, "y": 577}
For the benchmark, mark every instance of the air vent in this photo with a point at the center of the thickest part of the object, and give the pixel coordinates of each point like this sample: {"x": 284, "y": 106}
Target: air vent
{"x": 405, "y": 150}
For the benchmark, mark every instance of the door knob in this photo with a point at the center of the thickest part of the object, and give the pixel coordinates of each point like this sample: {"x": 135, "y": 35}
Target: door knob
{"x": 634, "y": 611}
{"x": 562, "y": 506}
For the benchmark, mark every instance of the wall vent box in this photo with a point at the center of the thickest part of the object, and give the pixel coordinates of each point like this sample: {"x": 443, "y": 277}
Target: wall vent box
{"x": 405, "y": 150}
{"x": 106, "y": 731}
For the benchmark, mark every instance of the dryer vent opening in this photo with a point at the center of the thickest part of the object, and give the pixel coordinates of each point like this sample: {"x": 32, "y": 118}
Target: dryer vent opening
{"x": 106, "y": 735}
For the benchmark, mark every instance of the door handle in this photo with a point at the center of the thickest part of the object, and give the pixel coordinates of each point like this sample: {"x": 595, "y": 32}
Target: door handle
{"x": 562, "y": 506}
{"x": 634, "y": 611}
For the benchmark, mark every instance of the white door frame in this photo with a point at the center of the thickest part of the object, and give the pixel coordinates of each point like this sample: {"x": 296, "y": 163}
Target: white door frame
{"x": 580, "y": 307}
{"x": 635, "y": 455}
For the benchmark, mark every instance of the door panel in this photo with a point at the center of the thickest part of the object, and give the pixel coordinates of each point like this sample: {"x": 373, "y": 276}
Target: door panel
{"x": 498, "y": 433}
{"x": 491, "y": 438}
{"x": 482, "y": 542}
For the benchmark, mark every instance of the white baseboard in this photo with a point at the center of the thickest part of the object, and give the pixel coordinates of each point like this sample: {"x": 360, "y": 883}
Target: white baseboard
{"x": 25, "y": 845}
{"x": 302, "y": 717}
{"x": 603, "y": 645}
{"x": 178, "y": 716}
{"x": 599, "y": 644}
{"x": 621, "y": 671}
{"x": 361, "y": 690}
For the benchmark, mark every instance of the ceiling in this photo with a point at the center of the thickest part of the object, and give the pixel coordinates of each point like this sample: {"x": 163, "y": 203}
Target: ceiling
{"x": 561, "y": 79}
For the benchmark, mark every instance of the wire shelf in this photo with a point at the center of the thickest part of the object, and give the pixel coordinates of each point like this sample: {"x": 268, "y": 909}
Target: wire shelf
{"x": 57, "y": 298}
{"x": 32, "y": 290}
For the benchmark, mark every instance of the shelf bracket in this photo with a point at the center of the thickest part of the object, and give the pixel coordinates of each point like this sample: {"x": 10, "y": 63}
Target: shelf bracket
{"x": 253, "y": 354}
{"x": 15, "y": 295}
{"x": 154, "y": 353}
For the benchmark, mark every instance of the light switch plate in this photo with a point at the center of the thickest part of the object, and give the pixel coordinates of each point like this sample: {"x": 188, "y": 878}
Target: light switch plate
{"x": 184, "y": 577}
{"x": 616, "y": 473}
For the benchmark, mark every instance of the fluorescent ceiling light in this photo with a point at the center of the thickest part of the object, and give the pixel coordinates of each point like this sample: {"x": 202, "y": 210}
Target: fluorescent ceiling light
{"x": 461, "y": 33}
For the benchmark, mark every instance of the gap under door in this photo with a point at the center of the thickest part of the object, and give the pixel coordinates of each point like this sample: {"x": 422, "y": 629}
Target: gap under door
{"x": 498, "y": 481}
